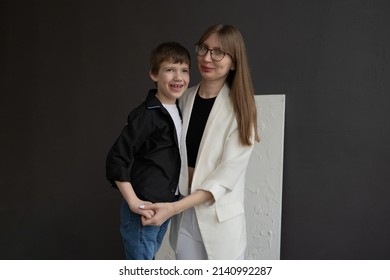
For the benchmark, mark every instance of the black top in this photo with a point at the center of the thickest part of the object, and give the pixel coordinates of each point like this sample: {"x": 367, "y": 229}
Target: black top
{"x": 199, "y": 115}
{"x": 146, "y": 154}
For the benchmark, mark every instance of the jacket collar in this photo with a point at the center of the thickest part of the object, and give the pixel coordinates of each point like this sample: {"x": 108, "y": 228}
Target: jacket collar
{"x": 152, "y": 102}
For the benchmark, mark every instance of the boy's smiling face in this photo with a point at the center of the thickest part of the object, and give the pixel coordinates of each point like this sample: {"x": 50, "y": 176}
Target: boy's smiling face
{"x": 172, "y": 80}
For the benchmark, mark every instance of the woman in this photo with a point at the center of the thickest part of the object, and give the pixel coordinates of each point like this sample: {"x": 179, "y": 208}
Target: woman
{"x": 219, "y": 130}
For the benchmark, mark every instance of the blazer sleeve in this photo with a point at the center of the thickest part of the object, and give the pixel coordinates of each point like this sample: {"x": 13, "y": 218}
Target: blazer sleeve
{"x": 231, "y": 168}
{"x": 121, "y": 156}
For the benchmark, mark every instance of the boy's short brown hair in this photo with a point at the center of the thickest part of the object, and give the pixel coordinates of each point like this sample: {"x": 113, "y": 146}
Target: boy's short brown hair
{"x": 170, "y": 52}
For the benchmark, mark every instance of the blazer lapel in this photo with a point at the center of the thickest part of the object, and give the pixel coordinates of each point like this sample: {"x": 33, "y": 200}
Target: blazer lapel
{"x": 188, "y": 102}
{"x": 221, "y": 102}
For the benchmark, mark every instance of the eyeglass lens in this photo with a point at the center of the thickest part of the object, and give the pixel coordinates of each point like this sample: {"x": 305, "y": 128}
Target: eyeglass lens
{"x": 215, "y": 54}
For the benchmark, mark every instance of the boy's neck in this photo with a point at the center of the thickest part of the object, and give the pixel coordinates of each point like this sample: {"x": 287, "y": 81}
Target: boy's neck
{"x": 165, "y": 101}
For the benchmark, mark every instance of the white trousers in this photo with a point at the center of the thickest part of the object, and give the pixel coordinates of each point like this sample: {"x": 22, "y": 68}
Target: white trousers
{"x": 190, "y": 243}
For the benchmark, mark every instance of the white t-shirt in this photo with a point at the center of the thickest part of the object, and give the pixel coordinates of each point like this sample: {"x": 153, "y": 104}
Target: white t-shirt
{"x": 174, "y": 112}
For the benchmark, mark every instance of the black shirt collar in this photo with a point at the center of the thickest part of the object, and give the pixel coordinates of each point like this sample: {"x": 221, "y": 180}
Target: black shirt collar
{"x": 152, "y": 102}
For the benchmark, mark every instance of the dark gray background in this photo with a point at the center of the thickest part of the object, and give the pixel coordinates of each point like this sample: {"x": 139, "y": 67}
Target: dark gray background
{"x": 71, "y": 71}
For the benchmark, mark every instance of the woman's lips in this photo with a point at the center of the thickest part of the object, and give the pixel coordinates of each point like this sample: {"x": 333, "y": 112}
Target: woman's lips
{"x": 206, "y": 69}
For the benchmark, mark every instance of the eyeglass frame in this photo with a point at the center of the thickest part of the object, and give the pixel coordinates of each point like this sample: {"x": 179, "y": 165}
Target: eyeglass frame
{"x": 211, "y": 52}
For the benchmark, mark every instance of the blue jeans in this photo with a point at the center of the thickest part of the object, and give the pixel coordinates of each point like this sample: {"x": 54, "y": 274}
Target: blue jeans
{"x": 140, "y": 242}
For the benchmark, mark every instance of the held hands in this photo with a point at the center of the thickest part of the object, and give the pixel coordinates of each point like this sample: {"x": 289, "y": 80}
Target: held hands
{"x": 135, "y": 208}
{"x": 161, "y": 213}
{"x": 133, "y": 201}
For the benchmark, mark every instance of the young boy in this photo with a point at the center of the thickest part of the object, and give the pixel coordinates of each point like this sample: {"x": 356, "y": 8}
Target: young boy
{"x": 144, "y": 162}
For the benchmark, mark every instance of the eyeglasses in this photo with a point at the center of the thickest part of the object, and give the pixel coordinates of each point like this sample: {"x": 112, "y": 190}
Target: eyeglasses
{"x": 216, "y": 54}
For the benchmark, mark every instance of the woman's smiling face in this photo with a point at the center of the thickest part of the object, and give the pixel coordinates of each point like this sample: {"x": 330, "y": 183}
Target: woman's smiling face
{"x": 210, "y": 69}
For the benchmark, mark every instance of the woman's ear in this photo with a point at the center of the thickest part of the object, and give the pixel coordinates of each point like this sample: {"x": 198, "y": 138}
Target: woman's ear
{"x": 233, "y": 67}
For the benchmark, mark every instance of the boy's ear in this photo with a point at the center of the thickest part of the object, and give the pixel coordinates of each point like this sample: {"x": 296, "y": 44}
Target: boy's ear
{"x": 153, "y": 76}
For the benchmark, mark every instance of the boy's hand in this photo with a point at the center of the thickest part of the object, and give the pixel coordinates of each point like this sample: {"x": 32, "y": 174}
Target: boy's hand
{"x": 133, "y": 201}
{"x": 145, "y": 213}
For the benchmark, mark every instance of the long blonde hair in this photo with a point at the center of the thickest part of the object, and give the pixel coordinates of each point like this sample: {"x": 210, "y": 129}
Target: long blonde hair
{"x": 239, "y": 80}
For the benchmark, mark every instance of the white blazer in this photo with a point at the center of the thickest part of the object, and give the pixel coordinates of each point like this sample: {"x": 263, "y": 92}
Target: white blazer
{"x": 220, "y": 169}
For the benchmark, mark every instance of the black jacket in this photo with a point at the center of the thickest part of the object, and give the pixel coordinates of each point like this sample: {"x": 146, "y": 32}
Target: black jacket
{"x": 146, "y": 154}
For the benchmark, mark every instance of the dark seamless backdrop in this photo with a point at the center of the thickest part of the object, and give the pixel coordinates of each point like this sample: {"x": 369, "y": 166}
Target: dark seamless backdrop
{"x": 72, "y": 70}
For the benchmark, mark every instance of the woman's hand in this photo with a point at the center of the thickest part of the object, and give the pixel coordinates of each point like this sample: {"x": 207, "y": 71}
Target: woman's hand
{"x": 161, "y": 213}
